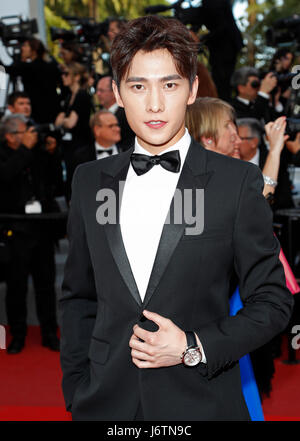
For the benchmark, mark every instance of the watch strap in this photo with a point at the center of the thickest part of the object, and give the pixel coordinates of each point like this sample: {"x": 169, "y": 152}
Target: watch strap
{"x": 190, "y": 339}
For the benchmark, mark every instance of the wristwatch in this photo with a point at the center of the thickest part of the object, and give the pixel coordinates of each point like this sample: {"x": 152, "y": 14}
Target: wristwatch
{"x": 192, "y": 355}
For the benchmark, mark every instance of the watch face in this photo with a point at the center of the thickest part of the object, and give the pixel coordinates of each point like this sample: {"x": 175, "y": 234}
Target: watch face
{"x": 192, "y": 357}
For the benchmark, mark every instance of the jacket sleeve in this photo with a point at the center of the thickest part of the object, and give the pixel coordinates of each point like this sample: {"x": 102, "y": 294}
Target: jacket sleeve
{"x": 267, "y": 302}
{"x": 78, "y": 302}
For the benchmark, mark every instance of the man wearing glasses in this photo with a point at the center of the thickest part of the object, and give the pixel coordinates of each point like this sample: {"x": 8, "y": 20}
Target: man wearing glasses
{"x": 252, "y": 94}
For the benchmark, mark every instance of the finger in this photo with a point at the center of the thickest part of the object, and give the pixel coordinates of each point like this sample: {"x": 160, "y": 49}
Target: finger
{"x": 141, "y": 346}
{"x": 141, "y": 355}
{"x": 144, "y": 335}
{"x": 156, "y": 318}
{"x": 142, "y": 364}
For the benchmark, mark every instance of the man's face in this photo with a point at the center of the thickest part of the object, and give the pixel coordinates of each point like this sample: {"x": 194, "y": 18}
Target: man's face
{"x": 248, "y": 145}
{"x": 14, "y": 140}
{"x": 107, "y": 132}
{"x": 155, "y": 97}
{"x": 248, "y": 91}
{"x": 104, "y": 93}
{"x": 21, "y": 105}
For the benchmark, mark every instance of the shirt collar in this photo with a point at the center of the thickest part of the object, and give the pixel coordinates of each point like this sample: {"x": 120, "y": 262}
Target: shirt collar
{"x": 100, "y": 147}
{"x": 113, "y": 108}
{"x": 255, "y": 158}
{"x": 243, "y": 100}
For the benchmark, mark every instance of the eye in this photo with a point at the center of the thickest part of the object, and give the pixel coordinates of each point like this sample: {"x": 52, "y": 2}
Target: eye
{"x": 170, "y": 86}
{"x": 137, "y": 87}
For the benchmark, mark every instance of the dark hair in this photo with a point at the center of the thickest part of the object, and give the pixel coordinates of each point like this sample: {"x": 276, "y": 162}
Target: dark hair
{"x": 79, "y": 69}
{"x": 73, "y": 47}
{"x": 37, "y": 46}
{"x": 240, "y": 76}
{"x": 151, "y": 33}
{"x": 279, "y": 54}
{"x": 13, "y": 97}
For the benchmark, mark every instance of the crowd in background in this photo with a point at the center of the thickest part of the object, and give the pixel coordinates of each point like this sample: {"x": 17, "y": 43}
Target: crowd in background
{"x": 66, "y": 115}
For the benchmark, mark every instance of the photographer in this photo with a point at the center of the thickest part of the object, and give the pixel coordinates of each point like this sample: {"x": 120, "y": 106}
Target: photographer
{"x": 26, "y": 188}
{"x": 253, "y": 95}
{"x": 19, "y": 102}
{"x": 40, "y": 77}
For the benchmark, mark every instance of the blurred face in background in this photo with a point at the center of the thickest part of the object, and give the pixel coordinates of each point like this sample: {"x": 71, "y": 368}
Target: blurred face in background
{"x": 66, "y": 55}
{"x": 104, "y": 93}
{"x": 107, "y": 131}
{"x": 227, "y": 141}
{"x": 249, "y": 143}
{"x": 21, "y": 105}
{"x": 250, "y": 90}
{"x": 113, "y": 30}
{"x": 26, "y": 51}
{"x": 68, "y": 78}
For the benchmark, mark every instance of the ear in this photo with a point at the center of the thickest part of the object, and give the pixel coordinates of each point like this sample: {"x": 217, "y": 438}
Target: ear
{"x": 10, "y": 108}
{"x": 209, "y": 143}
{"x": 193, "y": 91}
{"x": 117, "y": 94}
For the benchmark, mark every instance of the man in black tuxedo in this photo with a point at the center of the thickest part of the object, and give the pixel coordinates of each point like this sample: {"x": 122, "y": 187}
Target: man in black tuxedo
{"x": 107, "y": 100}
{"x": 252, "y": 98}
{"x": 146, "y": 332}
{"x": 106, "y": 133}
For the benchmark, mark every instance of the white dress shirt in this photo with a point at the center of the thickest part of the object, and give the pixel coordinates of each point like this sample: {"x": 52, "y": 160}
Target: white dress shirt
{"x": 102, "y": 152}
{"x": 145, "y": 204}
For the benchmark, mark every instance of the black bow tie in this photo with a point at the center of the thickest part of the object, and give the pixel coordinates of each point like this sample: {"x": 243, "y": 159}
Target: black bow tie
{"x": 143, "y": 163}
{"x": 108, "y": 151}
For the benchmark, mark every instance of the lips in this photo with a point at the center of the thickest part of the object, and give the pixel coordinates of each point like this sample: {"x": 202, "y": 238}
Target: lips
{"x": 155, "y": 124}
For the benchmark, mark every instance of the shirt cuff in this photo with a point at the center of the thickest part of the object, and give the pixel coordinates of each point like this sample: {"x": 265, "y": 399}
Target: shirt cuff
{"x": 264, "y": 95}
{"x": 203, "y": 360}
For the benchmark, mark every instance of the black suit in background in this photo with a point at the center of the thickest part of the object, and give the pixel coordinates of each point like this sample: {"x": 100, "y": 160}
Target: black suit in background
{"x": 189, "y": 284}
{"x": 40, "y": 80}
{"x": 259, "y": 109}
{"x": 26, "y": 174}
{"x": 127, "y": 135}
{"x": 86, "y": 154}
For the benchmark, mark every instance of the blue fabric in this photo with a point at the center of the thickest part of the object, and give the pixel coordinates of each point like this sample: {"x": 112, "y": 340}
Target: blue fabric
{"x": 249, "y": 385}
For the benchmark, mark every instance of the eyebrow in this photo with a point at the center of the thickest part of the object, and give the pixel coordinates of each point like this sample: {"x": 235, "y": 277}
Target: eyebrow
{"x": 145, "y": 80}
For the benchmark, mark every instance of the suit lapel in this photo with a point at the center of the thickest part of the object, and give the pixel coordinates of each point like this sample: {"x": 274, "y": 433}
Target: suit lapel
{"x": 193, "y": 175}
{"x": 111, "y": 180}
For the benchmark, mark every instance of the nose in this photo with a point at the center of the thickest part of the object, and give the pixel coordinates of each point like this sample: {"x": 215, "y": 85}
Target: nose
{"x": 155, "y": 102}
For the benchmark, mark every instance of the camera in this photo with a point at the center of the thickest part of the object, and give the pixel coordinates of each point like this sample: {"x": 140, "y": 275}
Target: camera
{"x": 13, "y": 34}
{"x": 292, "y": 127}
{"x": 45, "y": 130}
{"x": 85, "y": 33}
{"x": 286, "y": 30}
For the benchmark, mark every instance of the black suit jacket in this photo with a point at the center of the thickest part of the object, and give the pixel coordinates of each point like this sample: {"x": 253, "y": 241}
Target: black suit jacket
{"x": 127, "y": 135}
{"x": 260, "y": 109}
{"x": 190, "y": 284}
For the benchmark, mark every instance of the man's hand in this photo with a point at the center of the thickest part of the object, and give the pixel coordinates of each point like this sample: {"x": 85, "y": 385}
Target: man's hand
{"x": 50, "y": 144}
{"x": 30, "y": 138}
{"x": 268, "y": 83}
{"x": 162, "y": 348}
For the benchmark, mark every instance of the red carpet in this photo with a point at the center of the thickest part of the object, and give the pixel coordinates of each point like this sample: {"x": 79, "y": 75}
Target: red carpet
{"x": 30, "y": 385}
